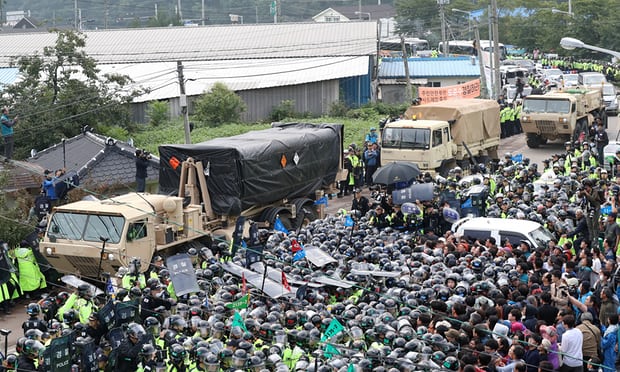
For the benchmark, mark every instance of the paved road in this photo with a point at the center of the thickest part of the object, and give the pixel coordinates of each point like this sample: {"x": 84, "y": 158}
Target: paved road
{"x": 516, "y": 144}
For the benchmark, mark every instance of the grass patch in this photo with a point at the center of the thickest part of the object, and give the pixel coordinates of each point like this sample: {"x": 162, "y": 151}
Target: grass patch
{"x": 150, "y": 137}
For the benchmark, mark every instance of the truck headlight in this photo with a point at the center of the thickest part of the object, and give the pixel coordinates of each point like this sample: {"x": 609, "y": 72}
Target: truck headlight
{"x": 525, "y": 118}
{"x": 50, "y": 251}
{"x": 563, "y": 120}
{"x": 110, "y": 257}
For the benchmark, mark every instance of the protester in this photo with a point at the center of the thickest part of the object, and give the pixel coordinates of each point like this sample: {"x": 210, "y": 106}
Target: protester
{"x": 7, "y": 132}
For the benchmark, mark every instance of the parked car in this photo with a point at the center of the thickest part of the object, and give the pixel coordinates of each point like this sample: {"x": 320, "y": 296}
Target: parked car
{"x": 502, "y": 229}
{"x": 609, "y": 152}
{"x": 570, "y": 80}
{"x": 610, "y": 96}
{"x": 591, "y": 79}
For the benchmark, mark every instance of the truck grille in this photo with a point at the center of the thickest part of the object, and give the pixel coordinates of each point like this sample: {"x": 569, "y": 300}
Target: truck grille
{"x": 546, "y": 126}
{"x": 87, "y": 265}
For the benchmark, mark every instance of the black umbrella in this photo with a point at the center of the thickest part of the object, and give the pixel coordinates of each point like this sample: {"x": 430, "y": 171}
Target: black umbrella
{"x": 398, "y": 171}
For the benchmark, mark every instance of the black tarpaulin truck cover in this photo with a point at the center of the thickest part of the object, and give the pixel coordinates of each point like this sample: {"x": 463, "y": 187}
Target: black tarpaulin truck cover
{"x": 259, "y": 167}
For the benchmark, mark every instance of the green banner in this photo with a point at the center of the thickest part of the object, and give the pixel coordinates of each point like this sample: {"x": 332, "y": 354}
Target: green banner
{"x": 241, "y": 303}
{"x": 330, "y": 351}
{"x": 334, "y": 328}
{"x": 238, "y": 321}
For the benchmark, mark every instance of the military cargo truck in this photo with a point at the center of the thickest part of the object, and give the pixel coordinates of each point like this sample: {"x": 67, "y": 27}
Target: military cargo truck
{"x": 259, "y": 175}
{"x": 561, "y": 115}
{"x": 439, "y": 136}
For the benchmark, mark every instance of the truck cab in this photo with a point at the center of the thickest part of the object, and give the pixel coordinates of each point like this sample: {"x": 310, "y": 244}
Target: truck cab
{"x": 561, "y": 114}
{"x": 424, "y": 142}
{"x": 91, "y": 237}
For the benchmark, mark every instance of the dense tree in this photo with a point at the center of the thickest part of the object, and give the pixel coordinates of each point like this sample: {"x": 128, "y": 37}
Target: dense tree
{"x": 60, "y": 91}
{"x": 527, "y": 23}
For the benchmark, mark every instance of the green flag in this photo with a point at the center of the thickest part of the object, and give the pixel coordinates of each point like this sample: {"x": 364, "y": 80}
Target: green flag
{"x": 334, "y": 328}
{"x": 238, "y": 321}
{"x": 330, "y": 351}
{"x": 241, "y": 303}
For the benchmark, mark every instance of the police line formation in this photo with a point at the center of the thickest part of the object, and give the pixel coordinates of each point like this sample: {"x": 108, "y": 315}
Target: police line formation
{"x": 400, "y": 291}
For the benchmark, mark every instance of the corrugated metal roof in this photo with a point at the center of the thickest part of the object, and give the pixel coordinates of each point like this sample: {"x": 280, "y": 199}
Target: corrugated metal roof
{"x": 8, "y": 76}
{"x": 393, "y": 68}
{"x": 247, "y": 41}
{"x": 162, "y": 82}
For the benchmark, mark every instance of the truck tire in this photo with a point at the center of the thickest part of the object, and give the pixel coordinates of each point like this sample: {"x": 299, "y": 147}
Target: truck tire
{"x": 306, "y": 212}
{"x": 445, "y": 167}
{"x": 533, "y": 141}
{"x": 581, "y": 126}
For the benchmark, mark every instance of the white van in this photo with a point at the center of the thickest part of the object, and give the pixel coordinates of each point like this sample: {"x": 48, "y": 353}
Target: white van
{"x": 503, "y": 228}
{"x": 591, "y": 79}
{"x": 610, "y": 96}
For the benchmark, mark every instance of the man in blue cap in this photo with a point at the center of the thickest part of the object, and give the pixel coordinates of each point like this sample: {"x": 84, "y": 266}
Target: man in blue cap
{"x": 371, "y": 137}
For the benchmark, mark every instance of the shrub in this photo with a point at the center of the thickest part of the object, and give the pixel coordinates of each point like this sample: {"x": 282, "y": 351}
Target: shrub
{"x": 220, "y": 105}
{"x": 286, "y": 109}
{"x": 158, "y": 113}
{"x": 113, "y": 131}
{"x": 338, "y": 109}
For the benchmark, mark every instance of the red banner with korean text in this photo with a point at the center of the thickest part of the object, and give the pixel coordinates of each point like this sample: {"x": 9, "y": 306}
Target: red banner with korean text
{"x": 471, "y": 89}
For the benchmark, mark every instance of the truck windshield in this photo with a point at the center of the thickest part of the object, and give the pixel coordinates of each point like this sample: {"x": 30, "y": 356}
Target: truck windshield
{"x": 89, "y": 227}
{"x": 406, "y": 138}
{"x": 541, "y": 236}
{"x": 558, "y": 106}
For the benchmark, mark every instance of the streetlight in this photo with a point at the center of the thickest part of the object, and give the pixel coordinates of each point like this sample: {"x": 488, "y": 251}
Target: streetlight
{"x": 554, "y": 10}
{"x": 236, "y": 18}
{"x": 358, "y": 13}
{"x": 570, "y": 43}
{"x": 468, "y": 18}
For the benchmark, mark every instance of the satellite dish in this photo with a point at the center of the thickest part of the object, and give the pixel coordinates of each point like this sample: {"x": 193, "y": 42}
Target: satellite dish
{"x": 33, "y": 153}
{"x": 130, "y": 142}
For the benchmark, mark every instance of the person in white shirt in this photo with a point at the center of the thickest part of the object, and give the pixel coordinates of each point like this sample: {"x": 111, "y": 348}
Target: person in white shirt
{"x": 571, "y": 347}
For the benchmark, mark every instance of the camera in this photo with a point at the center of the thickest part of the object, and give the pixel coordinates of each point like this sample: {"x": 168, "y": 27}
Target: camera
{"x": 142, "y": 154}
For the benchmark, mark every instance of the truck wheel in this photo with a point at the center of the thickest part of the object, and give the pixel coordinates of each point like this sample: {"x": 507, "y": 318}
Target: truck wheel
{"x": 445, "y": 167}
{"x": 533, "y": 141}
{"x": 581, "y": 126}
{"x": 306, "y": 215}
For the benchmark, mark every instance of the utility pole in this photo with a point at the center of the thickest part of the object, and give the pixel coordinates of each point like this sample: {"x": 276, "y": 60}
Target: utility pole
{"x": 408, "y": 95}
{"x": 483, "y": 77}
{"x": 491, "y": 85}
{"x": 179, "y": 12}
{"x": 496, "y": 77}
{"x": 105, "y": 15}
{"x": 183, "y": 101}
{"x": 203, "y": 12}
{"x": 442, "y": 15}
{"x": 75, "y": 15}
{"x": 359, "y": 9}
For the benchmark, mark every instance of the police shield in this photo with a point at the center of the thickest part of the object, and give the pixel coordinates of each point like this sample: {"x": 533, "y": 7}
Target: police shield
{"x": 57, "y": 356}
{"x": 125, "y": 312}
{"x": 182, "y": 274}
{"x": 116, "y": 336}
{"x": 87, "y": 354}
{"x": 107, "y": 314}
{"x": 317, "y": 256}
{"x": 450, "y": 215}
{"x": 410, "y": 208}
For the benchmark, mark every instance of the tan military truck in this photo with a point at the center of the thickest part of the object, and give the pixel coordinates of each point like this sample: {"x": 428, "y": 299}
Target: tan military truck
{"x": 560, "y": 115}
{"x": 439, "y": 136}
{"x": 258, "y": 175}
